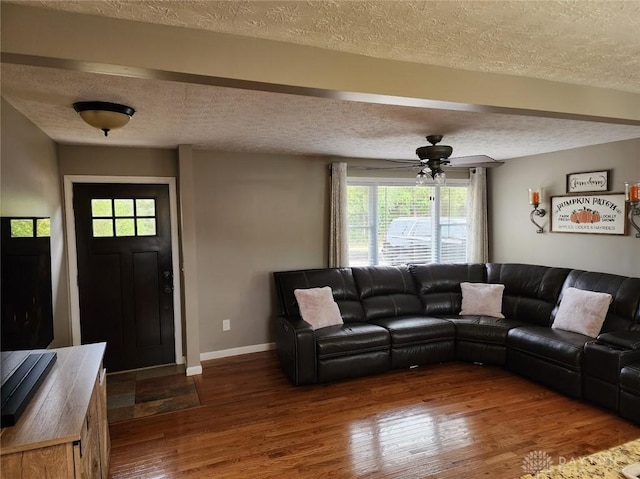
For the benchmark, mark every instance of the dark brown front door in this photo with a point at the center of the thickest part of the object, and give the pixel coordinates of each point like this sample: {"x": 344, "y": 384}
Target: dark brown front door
{"x": 125, "y": 278}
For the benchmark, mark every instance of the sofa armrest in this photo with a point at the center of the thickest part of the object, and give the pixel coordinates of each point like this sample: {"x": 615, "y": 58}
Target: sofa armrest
{"x": 621, "y": 339}
{"x": 296, "y": 344}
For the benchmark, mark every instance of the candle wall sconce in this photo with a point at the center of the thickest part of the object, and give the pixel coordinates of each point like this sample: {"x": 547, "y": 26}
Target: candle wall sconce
{"x": 535, "y": 198}
{"x": 632, "y": 195}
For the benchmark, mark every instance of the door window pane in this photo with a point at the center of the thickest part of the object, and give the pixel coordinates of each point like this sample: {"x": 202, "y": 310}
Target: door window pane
{"x": 123, "y": 208}
{"x": 102, "y": 228}
{"x": 101, "y": 208}
{"x": 43, "y": 228}
{"x": 125, "y": 227}
{"x": 146, "y": 226}
{"x": 145, "y": 207}
{"x": 128, "y": 217}
{"x": 22, "y": 228}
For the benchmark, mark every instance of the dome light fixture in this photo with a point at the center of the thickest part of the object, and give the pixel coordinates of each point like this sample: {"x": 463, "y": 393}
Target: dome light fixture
{"x": 104, "y": 116}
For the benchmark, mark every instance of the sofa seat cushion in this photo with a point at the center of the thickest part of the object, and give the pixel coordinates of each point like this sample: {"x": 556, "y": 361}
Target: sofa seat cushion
{"x": 408, "y": 330}
{"x": 555, "y": 346}
{"x": 351, "y": 338}
{"x": 484, "y": 329}
{"x": 630, "y": 379}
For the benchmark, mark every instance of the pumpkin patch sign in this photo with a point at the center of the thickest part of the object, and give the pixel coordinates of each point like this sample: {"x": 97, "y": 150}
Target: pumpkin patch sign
{"x": 599, "y": 214}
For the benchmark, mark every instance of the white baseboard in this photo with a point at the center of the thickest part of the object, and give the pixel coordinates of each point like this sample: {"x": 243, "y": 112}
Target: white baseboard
{"x": 194, "y": 370}
{"x": 224, "y": 353}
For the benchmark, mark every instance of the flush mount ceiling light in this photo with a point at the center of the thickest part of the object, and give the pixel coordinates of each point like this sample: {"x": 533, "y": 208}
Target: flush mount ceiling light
{"x": 103, "y": 115}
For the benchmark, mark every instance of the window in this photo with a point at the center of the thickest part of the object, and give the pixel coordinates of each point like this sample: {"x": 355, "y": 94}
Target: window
{"x": 30, "y": 227}
{"x": 123, "y": 217}
{"x": 393, "y": 223}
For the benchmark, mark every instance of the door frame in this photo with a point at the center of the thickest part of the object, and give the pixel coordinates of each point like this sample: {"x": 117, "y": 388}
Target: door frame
{"x": 72, "y": 251}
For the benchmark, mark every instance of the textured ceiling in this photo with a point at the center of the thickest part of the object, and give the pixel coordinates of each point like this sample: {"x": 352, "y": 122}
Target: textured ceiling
{"x": 584, "y": 42}
{"x": 172, "y": 113}
{"x": 575, "y": 41}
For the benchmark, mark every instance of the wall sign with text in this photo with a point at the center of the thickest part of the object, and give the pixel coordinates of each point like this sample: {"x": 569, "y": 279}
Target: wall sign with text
{"x": 594, "y": 213}
{"x": 588, "y": 181}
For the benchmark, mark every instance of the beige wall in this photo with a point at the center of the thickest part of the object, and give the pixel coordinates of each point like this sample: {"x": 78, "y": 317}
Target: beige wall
{"x": 513, "y": 236}
{"x": 117, "y": 161}
{"x": 77, "y": 160}
{"x": 189, "y": 257}
{"x": 30, "y": 186}
{"x": 255, "y": 214}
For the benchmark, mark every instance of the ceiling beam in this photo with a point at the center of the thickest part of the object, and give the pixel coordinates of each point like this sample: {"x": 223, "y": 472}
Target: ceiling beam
{"x": 57, "y": 39}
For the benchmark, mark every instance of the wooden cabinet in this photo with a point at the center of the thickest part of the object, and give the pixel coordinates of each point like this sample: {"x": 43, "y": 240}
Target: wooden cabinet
{"x": 63, "y": 433}
{"x": 103, "y": 421}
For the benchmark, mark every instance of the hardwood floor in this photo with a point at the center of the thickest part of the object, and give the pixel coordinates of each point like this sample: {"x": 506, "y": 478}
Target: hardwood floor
{"x": 450, "y": 420}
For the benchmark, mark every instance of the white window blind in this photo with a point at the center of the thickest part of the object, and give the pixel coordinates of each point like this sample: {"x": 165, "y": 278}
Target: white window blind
{"x": 392, "y": 224}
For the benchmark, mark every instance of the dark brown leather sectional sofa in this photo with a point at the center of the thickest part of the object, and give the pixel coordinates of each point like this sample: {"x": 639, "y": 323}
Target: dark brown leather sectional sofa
{"x": 398, "y": 317}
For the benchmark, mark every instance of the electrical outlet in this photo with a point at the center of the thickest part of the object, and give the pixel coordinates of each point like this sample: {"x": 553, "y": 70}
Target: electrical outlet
{"x": 226, "y": 324}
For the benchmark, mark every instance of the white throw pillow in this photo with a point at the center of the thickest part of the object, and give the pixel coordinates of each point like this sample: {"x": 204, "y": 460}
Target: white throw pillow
{"x": 317, "y": 307}
{"x": 582, "y": 311}
{"x": 482, "y": 299}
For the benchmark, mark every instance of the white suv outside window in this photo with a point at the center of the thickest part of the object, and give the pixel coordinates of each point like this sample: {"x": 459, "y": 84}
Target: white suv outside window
{"x": 414, "y": 240}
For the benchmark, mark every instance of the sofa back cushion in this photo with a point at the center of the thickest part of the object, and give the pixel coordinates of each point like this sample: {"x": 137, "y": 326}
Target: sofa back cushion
{"x": 439, "y": 285}
{"x": 340, "y": 280}
{"x": 387, "y": 291}
{"x": 530, "y": 291}
{"x": 624, "y": 310}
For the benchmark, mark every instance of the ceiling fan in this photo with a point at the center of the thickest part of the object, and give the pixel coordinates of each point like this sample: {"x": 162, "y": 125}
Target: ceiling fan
{"x": 433, "y": 157}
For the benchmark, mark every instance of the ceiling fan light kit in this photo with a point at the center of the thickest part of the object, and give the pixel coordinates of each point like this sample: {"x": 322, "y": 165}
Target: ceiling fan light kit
{"x": 439, "y": 177}
{"x": 104, "y": 116}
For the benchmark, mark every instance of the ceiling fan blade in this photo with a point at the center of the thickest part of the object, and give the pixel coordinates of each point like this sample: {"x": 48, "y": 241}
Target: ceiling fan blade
{"x": 404, "y": 162}
{"x": 408, "y": 166}
{"x": 474, "y": 161}
{"x": 390, "y": 164}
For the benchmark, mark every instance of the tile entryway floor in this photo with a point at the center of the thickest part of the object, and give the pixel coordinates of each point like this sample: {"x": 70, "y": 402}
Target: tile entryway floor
{"x": 146, "y": 392}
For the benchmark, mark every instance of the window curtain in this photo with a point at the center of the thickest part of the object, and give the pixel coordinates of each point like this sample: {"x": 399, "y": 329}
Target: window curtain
{"x": 478, "y": 231}
{"x": 338, "y": 241}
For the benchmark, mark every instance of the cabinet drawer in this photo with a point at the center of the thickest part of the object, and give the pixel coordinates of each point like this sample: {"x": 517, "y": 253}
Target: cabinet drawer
{"x": 87, "y": 450}
{"x": 55, "y": 462}
{"x": 103, "y": 423}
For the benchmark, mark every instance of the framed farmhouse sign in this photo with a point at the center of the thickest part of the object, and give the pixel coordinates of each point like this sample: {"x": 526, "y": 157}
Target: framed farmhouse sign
{"x": 589, "y": 213}
{"x": 588, "y": 181}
